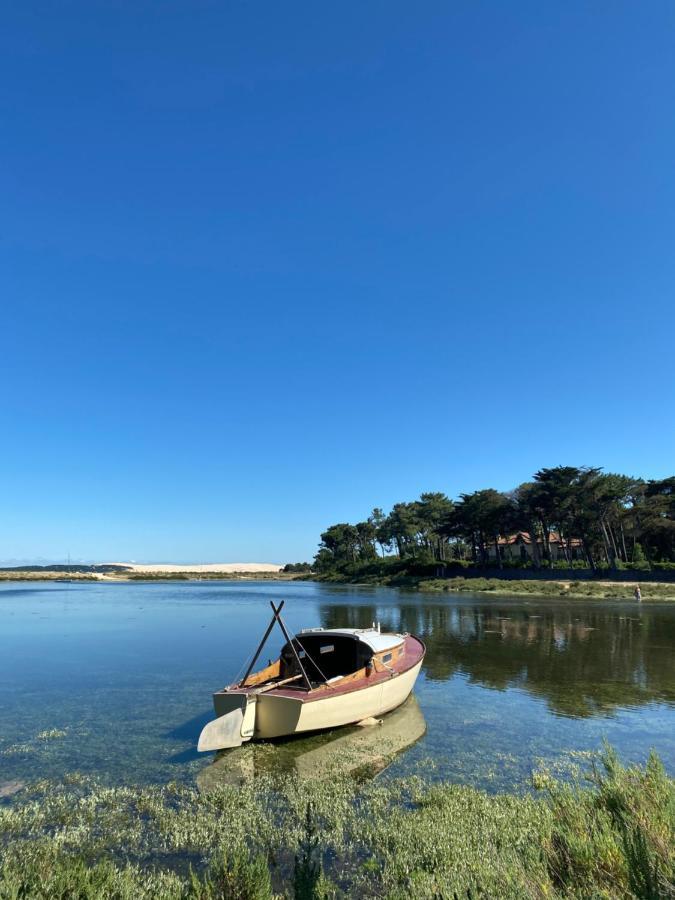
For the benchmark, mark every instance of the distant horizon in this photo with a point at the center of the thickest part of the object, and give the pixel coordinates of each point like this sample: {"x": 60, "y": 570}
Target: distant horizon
{"x": 43, "y": 561}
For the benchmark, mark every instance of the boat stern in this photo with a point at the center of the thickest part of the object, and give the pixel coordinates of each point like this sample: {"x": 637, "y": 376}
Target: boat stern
{"x": 234, "y": 722}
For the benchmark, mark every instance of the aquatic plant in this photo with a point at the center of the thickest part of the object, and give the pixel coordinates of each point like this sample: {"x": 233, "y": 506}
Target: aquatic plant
{"x": 17, "y": 750}
{"x": 233, "y": 875}
{"x": 45, "y": 873}
{"x": 611, "y": 835}
{"x": 51, "y": 734}
{"x": 307, "y": 869}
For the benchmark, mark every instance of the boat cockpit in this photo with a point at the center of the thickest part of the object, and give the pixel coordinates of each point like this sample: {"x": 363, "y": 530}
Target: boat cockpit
{"x": 324, "y": 656}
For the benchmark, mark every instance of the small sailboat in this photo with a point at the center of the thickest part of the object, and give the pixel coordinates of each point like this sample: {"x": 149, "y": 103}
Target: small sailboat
{"x": 324, "y": 678}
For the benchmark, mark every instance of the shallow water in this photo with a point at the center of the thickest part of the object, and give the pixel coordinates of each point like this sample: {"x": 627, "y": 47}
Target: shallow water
{"x": 115, "y": 680}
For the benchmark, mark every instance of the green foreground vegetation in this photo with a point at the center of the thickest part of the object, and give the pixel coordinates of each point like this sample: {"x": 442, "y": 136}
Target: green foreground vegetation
{"x": 609, "y": 834}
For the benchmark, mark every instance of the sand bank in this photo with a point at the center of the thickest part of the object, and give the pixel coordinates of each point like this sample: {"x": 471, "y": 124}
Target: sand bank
{"x": 198, "y": 568}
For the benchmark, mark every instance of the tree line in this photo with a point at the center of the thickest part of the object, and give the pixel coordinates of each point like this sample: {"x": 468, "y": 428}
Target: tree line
{"x": 602, "y": 519}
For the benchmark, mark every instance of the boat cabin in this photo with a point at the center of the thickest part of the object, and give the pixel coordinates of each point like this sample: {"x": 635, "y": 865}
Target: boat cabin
{"x": 327, "y": 655}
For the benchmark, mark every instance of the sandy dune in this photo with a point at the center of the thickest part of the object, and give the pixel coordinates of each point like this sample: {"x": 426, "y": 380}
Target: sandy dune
{"x": 200, "y": 567}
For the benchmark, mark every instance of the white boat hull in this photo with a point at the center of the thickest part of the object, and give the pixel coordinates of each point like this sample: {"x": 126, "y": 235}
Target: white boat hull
{"x": 322, "y": 756}
{"x": 276, "y": 716}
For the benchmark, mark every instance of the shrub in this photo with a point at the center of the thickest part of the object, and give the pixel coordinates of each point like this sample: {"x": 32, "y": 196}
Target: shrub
{"x": 639, "y": 559}
{"x": 234, "y": 875}
{"x": 634, "y": 567}
{"x": 617, "y": 839}
{"x": 45, "y": 873}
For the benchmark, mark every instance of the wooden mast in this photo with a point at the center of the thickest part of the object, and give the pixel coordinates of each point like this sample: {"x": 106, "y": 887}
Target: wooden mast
{"x": 276, "y": 617}
{"x": 263, "y": 642}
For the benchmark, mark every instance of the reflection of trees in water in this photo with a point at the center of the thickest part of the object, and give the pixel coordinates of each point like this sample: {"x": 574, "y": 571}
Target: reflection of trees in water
{"x": 584, "y": 662}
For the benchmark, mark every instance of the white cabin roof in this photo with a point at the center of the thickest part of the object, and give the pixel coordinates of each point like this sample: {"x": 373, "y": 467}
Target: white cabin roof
{"x": 376, "y": 640}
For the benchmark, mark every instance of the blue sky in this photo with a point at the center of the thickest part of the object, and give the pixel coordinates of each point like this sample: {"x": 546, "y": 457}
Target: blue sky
{"x": 265, "y": 266}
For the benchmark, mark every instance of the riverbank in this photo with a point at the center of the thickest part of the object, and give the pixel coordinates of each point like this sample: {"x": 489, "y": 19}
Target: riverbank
{"x": 613, "y": 837}
{"x": 579, "y": 590}
{"x": 558, "y": 588}
{"x": 605, "y": 589}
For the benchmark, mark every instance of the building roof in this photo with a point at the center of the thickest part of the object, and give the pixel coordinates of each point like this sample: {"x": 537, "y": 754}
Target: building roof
{"x": 524, "y": 537}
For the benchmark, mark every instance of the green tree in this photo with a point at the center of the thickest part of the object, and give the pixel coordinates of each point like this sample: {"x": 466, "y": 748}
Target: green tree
{"x": 433, "y": 512}
{"x": 481, "y": 518}
{"x": 366, "y": 534}
{"x": 586, "y": 504}
{"x": 339, "y": 547}
{"x": 527, "y": 516}
{"x": 401, "y": 528}
{"x": 554, "y": 498}
{"x": 608, "y": 513}
{"x": 377, "y": 519}
{"x": 658, "y": 518}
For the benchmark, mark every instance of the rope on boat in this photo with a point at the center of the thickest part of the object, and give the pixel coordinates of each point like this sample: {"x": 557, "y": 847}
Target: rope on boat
{"x": 243, "y": 666}
{"x": 313, "y": 662}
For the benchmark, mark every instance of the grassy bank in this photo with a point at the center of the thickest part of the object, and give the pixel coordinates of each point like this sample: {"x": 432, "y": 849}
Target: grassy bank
{"x": 611, "y": 837}
{"x": 600, "y": 590}
{"x": 415, "y": 576}
{"x": 605, "y": 589}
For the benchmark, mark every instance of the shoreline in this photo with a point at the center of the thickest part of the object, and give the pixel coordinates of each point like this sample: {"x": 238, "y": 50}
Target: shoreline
{"x": 554, "y": 588}
{"x": 131, "y": 576}
{"x": 658, "y": 591}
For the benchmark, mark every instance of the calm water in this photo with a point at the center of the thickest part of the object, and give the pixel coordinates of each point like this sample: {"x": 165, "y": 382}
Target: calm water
{"x": 127, "y": 670}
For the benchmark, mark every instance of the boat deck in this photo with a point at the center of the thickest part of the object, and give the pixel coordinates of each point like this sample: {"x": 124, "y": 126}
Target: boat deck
{"x": 413, "y": 651}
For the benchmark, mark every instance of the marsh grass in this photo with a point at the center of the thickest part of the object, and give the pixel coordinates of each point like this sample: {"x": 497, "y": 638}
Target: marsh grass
{"x": 572, "y": 589}
{"x": 617, "y": 838}
{"x": 611, "y": 835}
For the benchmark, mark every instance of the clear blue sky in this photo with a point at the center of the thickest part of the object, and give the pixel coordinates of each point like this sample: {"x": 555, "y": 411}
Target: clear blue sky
{"x": 267, "y": 265}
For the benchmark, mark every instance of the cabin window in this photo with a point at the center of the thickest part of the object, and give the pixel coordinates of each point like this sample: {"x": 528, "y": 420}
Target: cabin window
{"x": 327, "y": 648}
{"x": 387, "y": 657}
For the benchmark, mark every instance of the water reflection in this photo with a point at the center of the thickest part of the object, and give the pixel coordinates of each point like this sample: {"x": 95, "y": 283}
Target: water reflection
{"x": 365, "y": 751}
{"x": 583, "y": 662}
{"x": 116, "y": 680}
